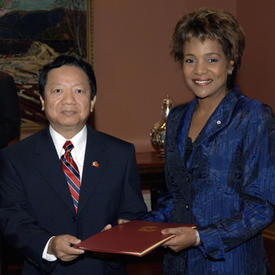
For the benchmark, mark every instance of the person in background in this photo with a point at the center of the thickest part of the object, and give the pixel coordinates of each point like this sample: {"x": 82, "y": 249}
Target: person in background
{"x": 67, "y": 182}
{"x": 9, "y": 110}
{"x": 219, "y": 157}
{"x": 9, "y": 126}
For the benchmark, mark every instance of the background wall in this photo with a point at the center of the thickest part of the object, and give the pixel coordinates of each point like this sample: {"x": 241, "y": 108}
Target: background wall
{"x": 135, "y": 70}
{"x": 257, "y": 75}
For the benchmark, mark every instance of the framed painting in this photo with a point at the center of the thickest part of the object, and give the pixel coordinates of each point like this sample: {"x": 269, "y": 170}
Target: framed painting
{"x": 33, "y": 33}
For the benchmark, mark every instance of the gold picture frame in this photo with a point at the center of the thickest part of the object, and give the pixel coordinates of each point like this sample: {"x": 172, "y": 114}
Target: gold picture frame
{"x": 90, "y": 31}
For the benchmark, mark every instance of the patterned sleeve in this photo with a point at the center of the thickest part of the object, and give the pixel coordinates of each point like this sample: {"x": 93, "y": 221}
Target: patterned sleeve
{"x": 257, "y": 190}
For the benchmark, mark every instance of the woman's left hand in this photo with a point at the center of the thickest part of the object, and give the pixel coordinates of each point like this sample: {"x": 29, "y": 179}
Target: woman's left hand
{"x": 184, "y": 237}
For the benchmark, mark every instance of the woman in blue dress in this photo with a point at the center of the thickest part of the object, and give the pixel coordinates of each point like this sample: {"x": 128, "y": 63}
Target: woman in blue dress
{"x": 219, "y": 157}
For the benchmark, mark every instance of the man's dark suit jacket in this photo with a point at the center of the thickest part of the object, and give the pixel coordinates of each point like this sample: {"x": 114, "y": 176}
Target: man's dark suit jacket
{"x": 36, "y": 203}
{"x": 9, "y": 110}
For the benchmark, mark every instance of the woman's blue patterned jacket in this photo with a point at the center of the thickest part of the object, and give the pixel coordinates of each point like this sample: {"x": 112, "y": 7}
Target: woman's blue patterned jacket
{"x": 225, "y": 186}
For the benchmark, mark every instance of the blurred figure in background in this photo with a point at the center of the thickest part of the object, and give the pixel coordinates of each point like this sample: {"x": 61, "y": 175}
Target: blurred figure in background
{"x": 9, "y": 125}
{"x": 9, "y": 110}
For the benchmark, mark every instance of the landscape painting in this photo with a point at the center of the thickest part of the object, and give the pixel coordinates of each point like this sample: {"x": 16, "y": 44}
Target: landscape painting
{"x": 33, "y": 33}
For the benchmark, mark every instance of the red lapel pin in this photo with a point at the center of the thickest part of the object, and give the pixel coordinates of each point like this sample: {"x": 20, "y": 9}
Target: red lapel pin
{"x": 95, "y": 164}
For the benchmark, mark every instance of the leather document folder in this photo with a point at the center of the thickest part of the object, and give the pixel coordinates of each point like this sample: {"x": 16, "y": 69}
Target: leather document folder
{"x": 133, "y": 238}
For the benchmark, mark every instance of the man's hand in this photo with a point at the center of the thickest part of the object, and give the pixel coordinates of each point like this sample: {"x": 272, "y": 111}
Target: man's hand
{"x": 184, "y": 238}
{"x": 107, "y": 227}
{"x": 61, "y": 247}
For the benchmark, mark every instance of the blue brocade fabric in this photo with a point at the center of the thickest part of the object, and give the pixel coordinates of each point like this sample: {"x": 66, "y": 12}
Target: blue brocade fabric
{"x": 162, "y": 209}
{"x": 224, "y": 182}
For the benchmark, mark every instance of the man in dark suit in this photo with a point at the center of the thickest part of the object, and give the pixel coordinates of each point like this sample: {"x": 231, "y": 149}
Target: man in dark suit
{"x": 9, "y": 110}
{"x": 40, "y": 214}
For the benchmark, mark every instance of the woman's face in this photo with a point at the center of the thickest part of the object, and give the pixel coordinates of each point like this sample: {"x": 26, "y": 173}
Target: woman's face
{"x": 205, "y": 68}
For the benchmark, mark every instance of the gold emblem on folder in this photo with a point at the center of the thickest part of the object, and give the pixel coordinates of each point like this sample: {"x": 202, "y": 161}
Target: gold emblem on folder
{"x": 148, "y": 228}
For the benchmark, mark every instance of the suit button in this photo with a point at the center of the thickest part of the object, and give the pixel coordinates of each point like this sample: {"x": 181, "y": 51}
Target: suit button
{"x": 187, "y": 206}
{"x": 187, "y": 179}
{"x": 74, "y": 218}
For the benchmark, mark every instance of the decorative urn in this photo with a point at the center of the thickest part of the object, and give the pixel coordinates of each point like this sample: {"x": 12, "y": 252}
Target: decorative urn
{"x": 158, "y": 131}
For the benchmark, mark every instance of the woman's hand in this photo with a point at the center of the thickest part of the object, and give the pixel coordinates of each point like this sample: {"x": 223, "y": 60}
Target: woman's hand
{"x": 184, "y": 237}
{"x": 119, "y": 221}
{"x": 122, "y": 221}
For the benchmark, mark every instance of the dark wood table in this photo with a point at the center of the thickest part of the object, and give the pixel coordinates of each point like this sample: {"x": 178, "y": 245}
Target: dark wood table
{"x": 150, "y": 162}
{"x": 151, "y": 170}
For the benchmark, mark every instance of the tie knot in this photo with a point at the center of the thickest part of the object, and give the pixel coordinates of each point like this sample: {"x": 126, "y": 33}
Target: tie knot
{"x": 68, "y": 146}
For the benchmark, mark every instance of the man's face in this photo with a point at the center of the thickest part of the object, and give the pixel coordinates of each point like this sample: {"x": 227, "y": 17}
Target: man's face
{"x": 67, "y": 100}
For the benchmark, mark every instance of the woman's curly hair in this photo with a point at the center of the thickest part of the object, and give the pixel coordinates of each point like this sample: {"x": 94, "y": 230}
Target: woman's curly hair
{"x": 215, "y": 25}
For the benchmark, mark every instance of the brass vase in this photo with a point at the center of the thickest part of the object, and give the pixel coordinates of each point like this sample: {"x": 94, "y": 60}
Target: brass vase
{"x": 158, "y": 131}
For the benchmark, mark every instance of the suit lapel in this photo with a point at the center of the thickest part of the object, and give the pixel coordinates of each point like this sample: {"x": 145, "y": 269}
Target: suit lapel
{"x": 94, "y": 163}
{"x": 48, "y": 164}
{"x": 181, "y": 126}
{"x": 219, "y": 119}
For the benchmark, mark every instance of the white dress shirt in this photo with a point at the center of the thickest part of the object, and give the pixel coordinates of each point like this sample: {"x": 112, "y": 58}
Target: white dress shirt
{"x": 79, "y": 142}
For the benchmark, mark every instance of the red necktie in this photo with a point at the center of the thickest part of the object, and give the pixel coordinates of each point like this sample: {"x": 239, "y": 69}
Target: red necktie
{"x": 71, "y": 172}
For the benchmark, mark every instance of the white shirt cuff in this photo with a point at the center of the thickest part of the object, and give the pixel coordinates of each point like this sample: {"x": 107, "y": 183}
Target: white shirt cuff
{"x": 198, "y": 240}
{"x": 46, "y": 256}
